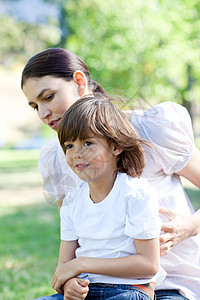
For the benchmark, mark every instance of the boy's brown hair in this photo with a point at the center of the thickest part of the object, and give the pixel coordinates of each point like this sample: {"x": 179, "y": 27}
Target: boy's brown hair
{"x": 102, "y": 118}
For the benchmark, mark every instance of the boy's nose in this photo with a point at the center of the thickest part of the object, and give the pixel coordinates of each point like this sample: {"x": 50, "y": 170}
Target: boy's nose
{"x": 78, "y": 153}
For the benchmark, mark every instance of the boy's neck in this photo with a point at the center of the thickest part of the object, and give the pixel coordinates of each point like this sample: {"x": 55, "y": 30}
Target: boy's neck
{"x": 100, "y": 190}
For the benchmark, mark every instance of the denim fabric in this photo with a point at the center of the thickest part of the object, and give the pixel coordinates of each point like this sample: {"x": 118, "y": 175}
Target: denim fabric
{"x": 169, "y": 295}
{"x": 114, "y": 293}
{"x": 99, "y": 293}
{"x": 110, "y": 293}
{"x": 52, "y": 297}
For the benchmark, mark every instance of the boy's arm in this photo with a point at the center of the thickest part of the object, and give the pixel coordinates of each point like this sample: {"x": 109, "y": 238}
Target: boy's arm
{"x": 67, "y": 251}
{"x": 66, "y": 254}
{"x": 143, "y": 264}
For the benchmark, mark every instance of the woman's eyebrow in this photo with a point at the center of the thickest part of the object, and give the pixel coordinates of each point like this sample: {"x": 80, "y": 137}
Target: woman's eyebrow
{"x": 41, "y": 93}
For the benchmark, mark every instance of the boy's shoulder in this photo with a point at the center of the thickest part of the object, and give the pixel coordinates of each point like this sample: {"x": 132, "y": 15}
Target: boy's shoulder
{"x": 134, "y": 182}
{"x": 138, "y": 188}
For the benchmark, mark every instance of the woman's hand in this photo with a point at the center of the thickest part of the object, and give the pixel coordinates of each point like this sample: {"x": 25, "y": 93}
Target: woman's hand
{"x": 75, "y": 289}
{"x": 64, "y": 272}
{"x": 178, "y": 228}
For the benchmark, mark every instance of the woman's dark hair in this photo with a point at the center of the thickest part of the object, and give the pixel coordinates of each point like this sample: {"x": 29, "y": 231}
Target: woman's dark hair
{"x": 59, "y": 63}
{"x": 99, "y": 116}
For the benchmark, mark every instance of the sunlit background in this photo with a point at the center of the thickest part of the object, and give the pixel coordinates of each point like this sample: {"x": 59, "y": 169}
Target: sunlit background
{"x": 147, "y": 51}
{"x": 140, "y": 49}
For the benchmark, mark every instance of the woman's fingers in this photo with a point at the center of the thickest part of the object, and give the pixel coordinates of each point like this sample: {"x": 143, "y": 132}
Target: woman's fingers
{"x": 165, "y": 248}
{"x": 177, "y": 229}
{"x": 167, "y": 212}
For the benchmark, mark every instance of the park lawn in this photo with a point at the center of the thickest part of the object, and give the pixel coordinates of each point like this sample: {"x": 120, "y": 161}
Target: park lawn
{"x": 29, "y": 245}
{"x": 29, "y": 238}
{"x": 29, "y": 233}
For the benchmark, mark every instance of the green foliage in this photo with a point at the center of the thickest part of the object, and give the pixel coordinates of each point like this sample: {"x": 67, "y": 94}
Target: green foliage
{"x": 20, "y": 40}
{"x": 148, "y": 48}
{"x": 197, "y": 142}
{"x": 194, "y": 195}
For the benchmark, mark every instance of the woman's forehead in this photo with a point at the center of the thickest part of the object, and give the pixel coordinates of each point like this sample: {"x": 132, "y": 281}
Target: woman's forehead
{"x": 34, "y": 87}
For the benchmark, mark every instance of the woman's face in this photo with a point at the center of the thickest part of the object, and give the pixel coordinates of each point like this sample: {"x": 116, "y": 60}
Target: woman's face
{"x": 51, "y": 97}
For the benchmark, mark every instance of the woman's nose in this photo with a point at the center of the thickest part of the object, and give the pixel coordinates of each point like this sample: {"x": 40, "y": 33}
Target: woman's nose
{"x": 43, "y": 112}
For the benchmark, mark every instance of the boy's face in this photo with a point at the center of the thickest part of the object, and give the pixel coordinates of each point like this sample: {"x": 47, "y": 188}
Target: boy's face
{"x": 92, "y": 159}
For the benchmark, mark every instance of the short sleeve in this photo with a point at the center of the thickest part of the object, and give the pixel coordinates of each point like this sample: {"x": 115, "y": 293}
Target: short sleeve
{"x": 67, "y": 229}
{"x": 59, "y": 180}
{"x": 142, "y": 219}
{"x": 168, "y": 127}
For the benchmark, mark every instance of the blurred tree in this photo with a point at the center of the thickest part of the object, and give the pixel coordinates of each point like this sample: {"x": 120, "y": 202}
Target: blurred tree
{"x": 147, "y": 48}
{"x": 63, "y": 21}
{"x": 20, "y": 40}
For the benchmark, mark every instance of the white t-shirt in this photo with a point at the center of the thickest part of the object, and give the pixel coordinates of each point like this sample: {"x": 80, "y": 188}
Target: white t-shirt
{"x": 107, "y": 229}
{"x": 168, "y": 127}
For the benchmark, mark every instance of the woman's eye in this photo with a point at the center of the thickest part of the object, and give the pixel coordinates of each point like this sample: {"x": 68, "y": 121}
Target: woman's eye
{"x": 87, "y": 143}
{"x": 49, "y": 97}
{"x": 35, "y": 107}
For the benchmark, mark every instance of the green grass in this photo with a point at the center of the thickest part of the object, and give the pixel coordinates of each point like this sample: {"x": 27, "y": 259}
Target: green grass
{"x": 18, "y": 159}
{"x": 29, "y": 234}
{"x": 29, "y": 238}
{"x": 29, "y": 244}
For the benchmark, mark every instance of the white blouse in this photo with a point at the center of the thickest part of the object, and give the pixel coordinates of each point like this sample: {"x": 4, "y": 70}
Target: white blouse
{"x": 168, "y": 127}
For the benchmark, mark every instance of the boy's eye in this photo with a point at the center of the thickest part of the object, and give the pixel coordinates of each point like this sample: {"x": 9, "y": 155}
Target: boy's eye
{"x": 87, "y": 143}
{"x": 68, "y": 146}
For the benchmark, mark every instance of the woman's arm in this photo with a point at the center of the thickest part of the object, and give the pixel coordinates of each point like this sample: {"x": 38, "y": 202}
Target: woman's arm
{"x": 179, "y": 226}
{"x": 143, "y": 264}
{"x": 192, "y": 169}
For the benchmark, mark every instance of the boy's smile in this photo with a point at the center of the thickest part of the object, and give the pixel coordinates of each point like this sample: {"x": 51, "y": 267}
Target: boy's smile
{"x": 81, "y": 166}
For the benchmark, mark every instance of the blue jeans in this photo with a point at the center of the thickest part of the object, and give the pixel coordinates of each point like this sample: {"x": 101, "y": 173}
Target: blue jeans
{"x": 100, "y": 292}
{"x": 118, "y": 292}
{"x": 160, "y": 295}
{"x": 169, "y": 295}
{"x": 132, "y": 295}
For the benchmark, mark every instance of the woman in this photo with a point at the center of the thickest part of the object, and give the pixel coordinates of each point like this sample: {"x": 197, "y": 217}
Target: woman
{"x": 52, "y": 81}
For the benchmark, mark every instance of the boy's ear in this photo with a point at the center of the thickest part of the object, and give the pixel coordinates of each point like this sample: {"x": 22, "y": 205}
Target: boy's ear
{"x": 81, "y": 81}
{"x": 116, "y": 150}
